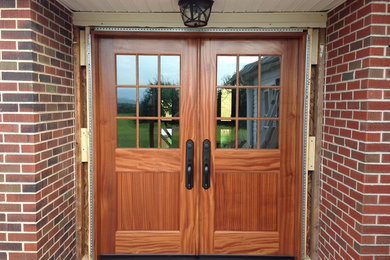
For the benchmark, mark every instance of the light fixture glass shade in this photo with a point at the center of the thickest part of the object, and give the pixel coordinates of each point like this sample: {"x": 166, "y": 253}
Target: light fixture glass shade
{"x": 195, "y": 13}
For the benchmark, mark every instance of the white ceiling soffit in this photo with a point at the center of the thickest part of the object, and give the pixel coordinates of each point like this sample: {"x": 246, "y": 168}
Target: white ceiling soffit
{"x": 220, "y": 6}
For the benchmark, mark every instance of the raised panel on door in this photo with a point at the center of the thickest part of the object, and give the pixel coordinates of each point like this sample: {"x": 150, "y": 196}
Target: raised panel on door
{"x": 251, "y": 105}
{"x": 145, "y": 113}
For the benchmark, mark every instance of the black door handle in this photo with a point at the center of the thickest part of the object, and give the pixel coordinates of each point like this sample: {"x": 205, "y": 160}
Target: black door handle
{"x": 206, "y": 164}
{"x": 189, "y": 164}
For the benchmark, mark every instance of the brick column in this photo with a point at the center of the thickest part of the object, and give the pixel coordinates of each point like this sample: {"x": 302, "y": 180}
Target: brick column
{"x": 37, "y": 208}
{"x": 355, "y": 181}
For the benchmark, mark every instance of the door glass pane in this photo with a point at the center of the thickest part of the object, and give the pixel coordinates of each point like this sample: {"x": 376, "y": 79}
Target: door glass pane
{"x": 247, "y": 134}
{"x": 148, "y": 67}
{"x": 249, "y": 70}
{"x": 270, "y": 70}
{"x": 126, "y": 133}
{"x": 226, "y": 102}
{"x": 226, "y": 133}
{"x": 269, "y": 102}
{"x": 226, "y": 70}
{"x": 148, "y": 133}
{"x": 170, "y": 70}
{"x": 170, "y": 102}
{"x": 148, "y": 101}
{"x": 269, "y": 134}
{"x": 125, "y": 70}
{"x": 170, "y": 134}
{"x": 247, "y": 102}
{"x": 126, "y": 101}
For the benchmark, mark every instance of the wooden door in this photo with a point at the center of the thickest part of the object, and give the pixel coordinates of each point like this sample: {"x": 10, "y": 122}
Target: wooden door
{"x": 146, "y": 100}
{"x": 245, "y": 97}
{"x": 250, "y": 110}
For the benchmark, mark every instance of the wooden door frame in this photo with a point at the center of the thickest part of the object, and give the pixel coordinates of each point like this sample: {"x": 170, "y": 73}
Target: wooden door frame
{"x": 93, "y": 99}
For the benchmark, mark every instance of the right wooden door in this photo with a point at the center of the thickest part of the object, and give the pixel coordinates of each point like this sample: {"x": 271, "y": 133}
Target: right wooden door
{"x": 250, "y": 110}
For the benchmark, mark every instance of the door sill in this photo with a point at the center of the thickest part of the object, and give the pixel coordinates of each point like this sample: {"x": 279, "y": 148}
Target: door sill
{"x": 192, "y": 257}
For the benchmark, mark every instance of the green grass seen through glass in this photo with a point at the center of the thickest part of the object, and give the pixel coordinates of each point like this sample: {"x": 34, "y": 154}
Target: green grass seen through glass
{"x": 126, "y": 133}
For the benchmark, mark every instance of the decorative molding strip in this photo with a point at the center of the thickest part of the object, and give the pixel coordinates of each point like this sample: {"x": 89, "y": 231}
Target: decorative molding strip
{"x": 305, "y": 136}
{"x": 213, "y": 30}
{"x": 91, "y": 161}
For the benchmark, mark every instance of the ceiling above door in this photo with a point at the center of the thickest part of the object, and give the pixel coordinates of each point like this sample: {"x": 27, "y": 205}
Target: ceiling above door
{"x": 220, "y": 6}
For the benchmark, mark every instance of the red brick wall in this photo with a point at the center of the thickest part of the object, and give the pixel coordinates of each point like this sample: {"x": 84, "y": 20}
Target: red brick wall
{"x": 37, "y": 201}
{"x": 355, "y": 177}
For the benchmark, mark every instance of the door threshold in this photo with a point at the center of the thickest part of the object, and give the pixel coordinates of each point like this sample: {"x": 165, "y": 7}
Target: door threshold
{"x": 192, "y": 257}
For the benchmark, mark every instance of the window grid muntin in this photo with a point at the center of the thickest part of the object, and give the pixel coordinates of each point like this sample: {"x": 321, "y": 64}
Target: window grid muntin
{"x": 159, "y": 87}
{"x": 259, "y": 87}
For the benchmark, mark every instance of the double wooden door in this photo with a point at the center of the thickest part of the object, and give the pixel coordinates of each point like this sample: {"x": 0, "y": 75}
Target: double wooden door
{"x": 198, "y": 146}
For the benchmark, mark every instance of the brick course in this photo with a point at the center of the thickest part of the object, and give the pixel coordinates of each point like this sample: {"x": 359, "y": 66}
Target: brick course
{"x": 37, "y": 197}
{"x": 354, "y": 210}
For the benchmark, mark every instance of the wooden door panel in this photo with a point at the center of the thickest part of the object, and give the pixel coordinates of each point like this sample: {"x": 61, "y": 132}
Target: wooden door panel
{"x": 246, "y": 201}
{"x": 148, "y": 242}
{"x": 231, "y": 160}
{"x": 141, "y": 160}
{"x": 148, "y": 201}
{"x": 243, "y": 243}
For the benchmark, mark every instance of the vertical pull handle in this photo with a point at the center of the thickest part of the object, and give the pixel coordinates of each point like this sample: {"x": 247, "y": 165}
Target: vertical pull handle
{"x": 206, "y": 164}
{"x": 189, "y": 164}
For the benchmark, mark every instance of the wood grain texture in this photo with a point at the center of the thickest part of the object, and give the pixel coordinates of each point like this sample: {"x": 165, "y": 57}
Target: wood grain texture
{"x": 82, "y": 188}
{"x": 147, "y": 242}
{"x": 106, "y": 177}
{"x": 246, "y": 201}
{"x": 207, "y": 112}
{"x": 142, "y": 190}
{"x": 254, "y": 203}
{"x": 189, "y": 201}
{"x": 229, "y": 203}
{"x": 243, "y": 243}
{"x": 78, "y": 125}
{"x": 144, "y": 160}
{"x": 289, "y": 142}
{"x": 251, "y": 161}
{"x": 148, "y": 201}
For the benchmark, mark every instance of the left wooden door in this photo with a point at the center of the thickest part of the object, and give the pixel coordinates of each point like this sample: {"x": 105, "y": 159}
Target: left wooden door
{"x": 144, "y": 116}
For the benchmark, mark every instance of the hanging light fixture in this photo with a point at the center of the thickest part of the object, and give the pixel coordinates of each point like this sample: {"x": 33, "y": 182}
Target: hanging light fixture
{"x": 195, "y": 13}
